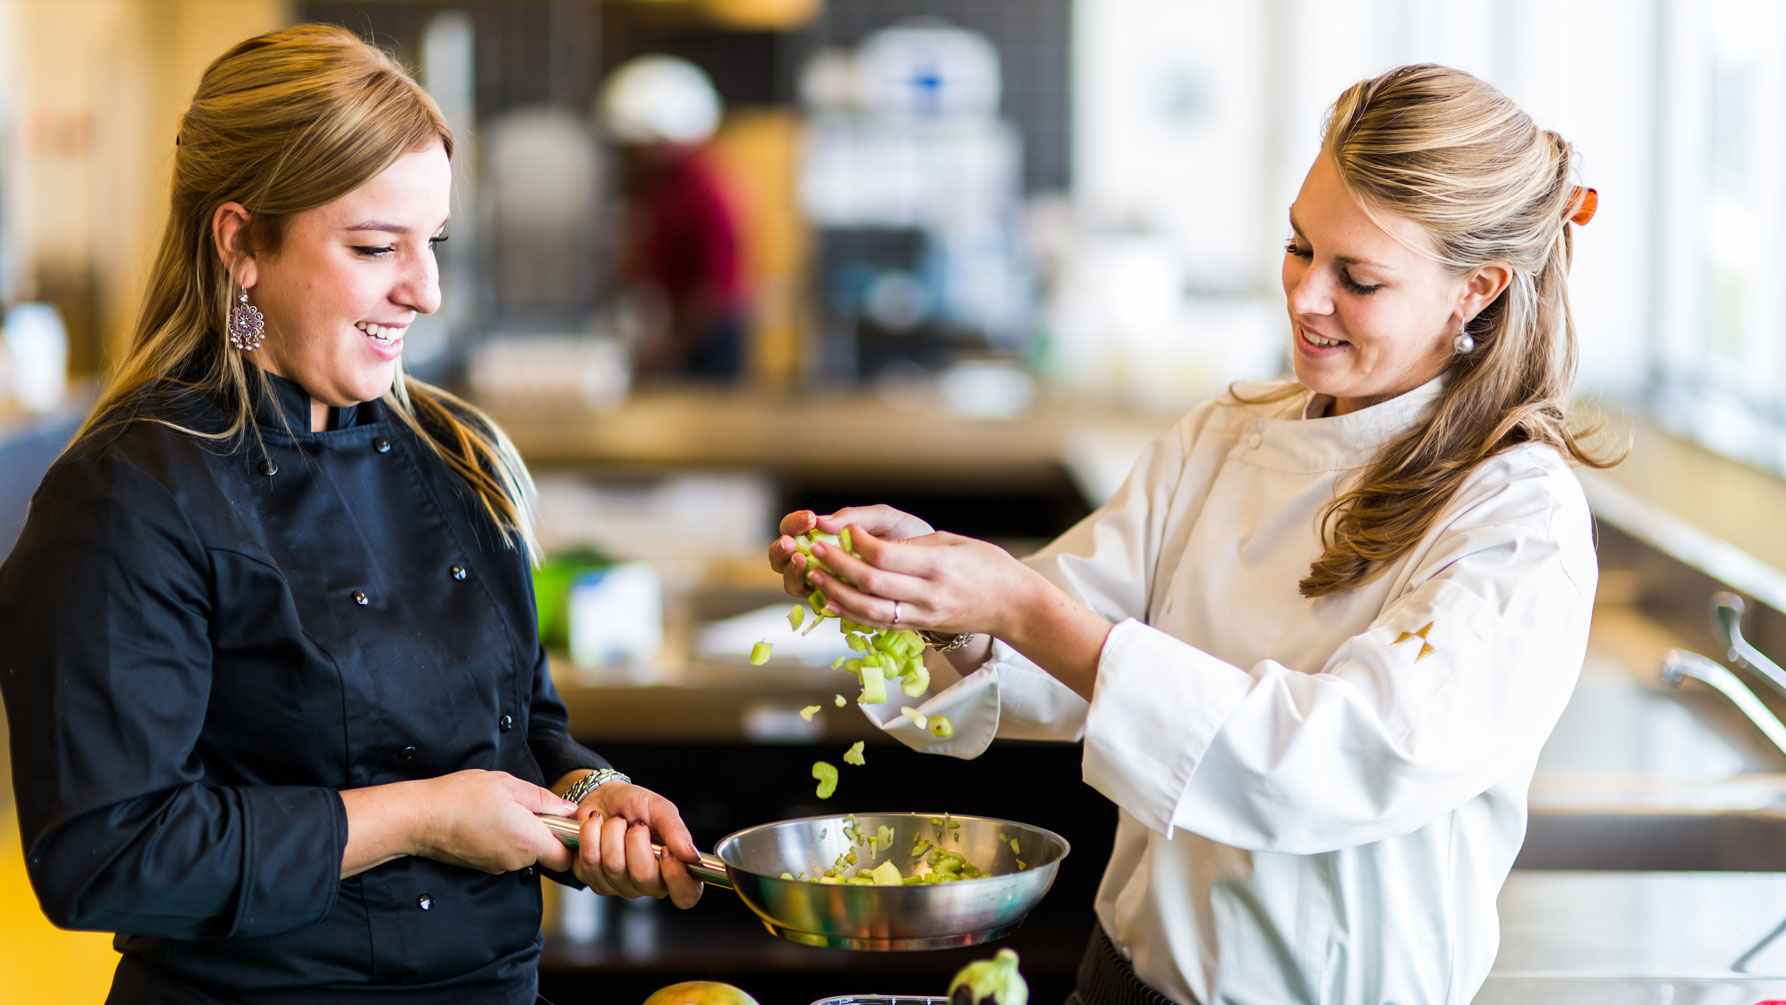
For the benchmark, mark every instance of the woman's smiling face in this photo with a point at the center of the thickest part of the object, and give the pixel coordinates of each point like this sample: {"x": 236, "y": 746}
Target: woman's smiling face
{"x": 1370, "y": 318}
{"x": 347, "y": 279}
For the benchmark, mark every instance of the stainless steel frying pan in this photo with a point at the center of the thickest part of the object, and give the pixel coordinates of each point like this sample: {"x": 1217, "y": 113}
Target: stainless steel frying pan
{"x": 885, "y": 918}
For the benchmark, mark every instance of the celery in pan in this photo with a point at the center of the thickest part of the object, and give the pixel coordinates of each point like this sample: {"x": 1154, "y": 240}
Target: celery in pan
{"x": 935, "y": 865}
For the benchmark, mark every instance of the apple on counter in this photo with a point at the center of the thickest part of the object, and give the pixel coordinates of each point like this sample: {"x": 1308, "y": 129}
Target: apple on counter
{"x": 700, "y": 993}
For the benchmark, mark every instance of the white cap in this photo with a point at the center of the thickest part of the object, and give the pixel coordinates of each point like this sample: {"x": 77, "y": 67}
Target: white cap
{"x": 658, "y": 99}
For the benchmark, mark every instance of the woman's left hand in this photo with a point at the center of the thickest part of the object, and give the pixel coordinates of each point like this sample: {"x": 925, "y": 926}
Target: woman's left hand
{"x": 614, "y": 855}
{"x": 941, "y": 582}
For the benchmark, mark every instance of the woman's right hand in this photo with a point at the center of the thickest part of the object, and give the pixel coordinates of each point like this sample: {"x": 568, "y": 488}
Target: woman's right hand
{"x": 883, "y": 522}
{"x": 484, "y": 820}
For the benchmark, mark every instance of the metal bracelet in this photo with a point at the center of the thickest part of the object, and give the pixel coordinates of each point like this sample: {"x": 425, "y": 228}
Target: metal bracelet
{"x": 945, "y": 643}
{"x": 582, "y": 787}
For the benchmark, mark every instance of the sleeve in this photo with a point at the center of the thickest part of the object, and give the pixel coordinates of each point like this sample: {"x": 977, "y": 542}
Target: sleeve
{"x": 548, "y": 726}
{"x": 1107, "y": 561}
{"x": 106, "y": 599}
{"x": 549, "y": 738}
{"x": 1454, "y": 687}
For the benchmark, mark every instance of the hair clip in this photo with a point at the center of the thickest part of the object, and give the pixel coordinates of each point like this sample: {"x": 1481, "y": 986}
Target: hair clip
{"x": 1583, "y": 202}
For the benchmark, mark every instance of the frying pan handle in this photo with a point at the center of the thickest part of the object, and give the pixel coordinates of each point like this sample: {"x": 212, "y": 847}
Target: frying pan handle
{"x": 709, "y": 870}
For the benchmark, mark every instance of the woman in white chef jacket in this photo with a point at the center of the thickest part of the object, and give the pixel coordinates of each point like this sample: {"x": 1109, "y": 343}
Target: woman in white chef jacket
{"x": 1314, "y": 643}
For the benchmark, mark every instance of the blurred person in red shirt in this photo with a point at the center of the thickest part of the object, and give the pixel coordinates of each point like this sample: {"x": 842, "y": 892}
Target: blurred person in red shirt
{"x": 681, "y": 240}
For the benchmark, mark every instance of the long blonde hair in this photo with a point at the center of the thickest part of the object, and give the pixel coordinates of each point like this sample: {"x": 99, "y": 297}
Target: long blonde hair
{"x": 282, "y": 123}
{"x": 1455, "y": 155}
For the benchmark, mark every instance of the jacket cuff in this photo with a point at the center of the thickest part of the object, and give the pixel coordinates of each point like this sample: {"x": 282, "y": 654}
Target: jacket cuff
{"x": 294, "y": 839}
{"x": 557, "y": 754}
{"x": 971, "y": 705}
{"x": 1156, "y": 708}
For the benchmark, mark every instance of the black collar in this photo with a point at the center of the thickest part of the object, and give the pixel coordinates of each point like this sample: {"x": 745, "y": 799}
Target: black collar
{"x": 290, "y": 405}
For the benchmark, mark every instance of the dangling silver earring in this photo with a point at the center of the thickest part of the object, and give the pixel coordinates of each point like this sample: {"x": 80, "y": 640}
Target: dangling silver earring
{"x": 1464, "y": 343}
{"x": 247, "y": 326}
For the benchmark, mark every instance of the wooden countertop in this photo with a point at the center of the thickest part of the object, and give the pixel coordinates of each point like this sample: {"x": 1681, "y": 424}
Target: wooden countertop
{"x": 886, "y": 435}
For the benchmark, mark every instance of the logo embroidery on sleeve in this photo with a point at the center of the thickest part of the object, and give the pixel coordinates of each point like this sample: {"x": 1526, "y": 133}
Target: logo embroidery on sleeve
{"x": 1426, "y": 648}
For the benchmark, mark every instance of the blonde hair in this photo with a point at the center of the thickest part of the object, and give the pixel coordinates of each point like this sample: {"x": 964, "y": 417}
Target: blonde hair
{"x": 1453, "y": 154}
{"x": 282, "y": 123}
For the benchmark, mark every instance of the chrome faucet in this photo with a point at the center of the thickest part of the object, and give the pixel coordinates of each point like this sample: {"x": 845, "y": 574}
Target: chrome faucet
{"x": 1680, "y": 664}
{"x": 1727, "y": 616}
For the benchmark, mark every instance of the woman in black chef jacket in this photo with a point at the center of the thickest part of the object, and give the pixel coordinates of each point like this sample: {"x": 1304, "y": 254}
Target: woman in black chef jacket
{"x": 280, "y": 715}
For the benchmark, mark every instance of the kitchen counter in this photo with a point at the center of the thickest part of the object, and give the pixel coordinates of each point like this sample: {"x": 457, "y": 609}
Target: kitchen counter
{"x": 906, "y": 435}
{"x": 1603, "y": 938}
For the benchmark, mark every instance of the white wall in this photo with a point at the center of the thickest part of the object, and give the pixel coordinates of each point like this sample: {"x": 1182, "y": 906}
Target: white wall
{"x": 1268, "y": 71}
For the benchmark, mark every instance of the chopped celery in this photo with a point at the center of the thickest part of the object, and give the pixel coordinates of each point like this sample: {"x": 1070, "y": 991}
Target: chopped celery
{"x": 941, "y": 727}
{"x": 874, "y": 686}
{"x": 808, "y": 712}
{"x": 843, "y": 542}
{"x": 886, "y": 874}
{"x": 759, "y": 653}
{"x": 838, "y": 699}
{"x": 796, "y": 616}
{"x": 827, "y": 776}
{"x": 918, "y": 718}
{"x": 854, "y": 754}
{"x": 917, "y": 681}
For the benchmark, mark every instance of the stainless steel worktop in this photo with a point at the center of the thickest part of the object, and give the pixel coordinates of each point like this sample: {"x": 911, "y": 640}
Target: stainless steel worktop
{"x": 1623, "y": 938}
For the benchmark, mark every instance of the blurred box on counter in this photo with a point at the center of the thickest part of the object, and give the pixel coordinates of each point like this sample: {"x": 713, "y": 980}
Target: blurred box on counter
{"x": 608, "y": 615}
{"x": 617, "y": 619}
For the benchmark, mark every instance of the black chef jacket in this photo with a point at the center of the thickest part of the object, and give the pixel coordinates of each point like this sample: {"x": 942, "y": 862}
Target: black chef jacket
{"x": 204, "y": 643}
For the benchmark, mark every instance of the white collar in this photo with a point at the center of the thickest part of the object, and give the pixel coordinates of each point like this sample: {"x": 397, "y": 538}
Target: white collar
{"x": 1288, "y": 440}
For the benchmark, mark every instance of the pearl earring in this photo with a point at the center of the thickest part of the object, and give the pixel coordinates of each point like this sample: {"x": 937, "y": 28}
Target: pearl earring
{"x": 1464, "y": 343}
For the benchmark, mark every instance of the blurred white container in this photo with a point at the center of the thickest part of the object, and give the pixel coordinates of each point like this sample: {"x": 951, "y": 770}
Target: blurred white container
{"x": 37, "y": 341}
{"x": 617, "y": 618}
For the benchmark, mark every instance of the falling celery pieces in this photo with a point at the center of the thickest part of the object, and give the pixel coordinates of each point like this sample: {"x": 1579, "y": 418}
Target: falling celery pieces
{"x": 884, "y": 654}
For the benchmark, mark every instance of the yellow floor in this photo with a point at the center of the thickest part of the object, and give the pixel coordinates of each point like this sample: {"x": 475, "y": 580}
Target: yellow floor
{"x": 40, "y": 963}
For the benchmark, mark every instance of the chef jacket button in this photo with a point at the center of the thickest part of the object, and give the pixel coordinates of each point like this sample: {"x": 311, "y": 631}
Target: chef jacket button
{"x": 406, "y": 755}
{"x": 507, "y": 723}
{"x": 528, "y": 873}
{"x": 458, "y": 572}
{"x": 382, "y": 445}
{"x": 1255, "y": 438}
{"x": 269, "y": 468}
{"x": 425, "y": 902}
{"x": 359, "y": 597}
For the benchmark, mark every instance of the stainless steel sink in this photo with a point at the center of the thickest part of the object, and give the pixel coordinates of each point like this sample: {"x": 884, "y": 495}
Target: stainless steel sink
{"x": 1642, "y": 775}
{"x": 1655, "y": 839}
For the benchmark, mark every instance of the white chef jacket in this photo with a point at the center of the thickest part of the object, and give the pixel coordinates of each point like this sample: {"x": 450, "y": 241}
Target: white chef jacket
{"x": 1319, "y": 799}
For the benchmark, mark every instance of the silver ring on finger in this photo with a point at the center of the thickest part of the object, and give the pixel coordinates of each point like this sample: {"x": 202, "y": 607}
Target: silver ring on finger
{"x": 896, "y": 612}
